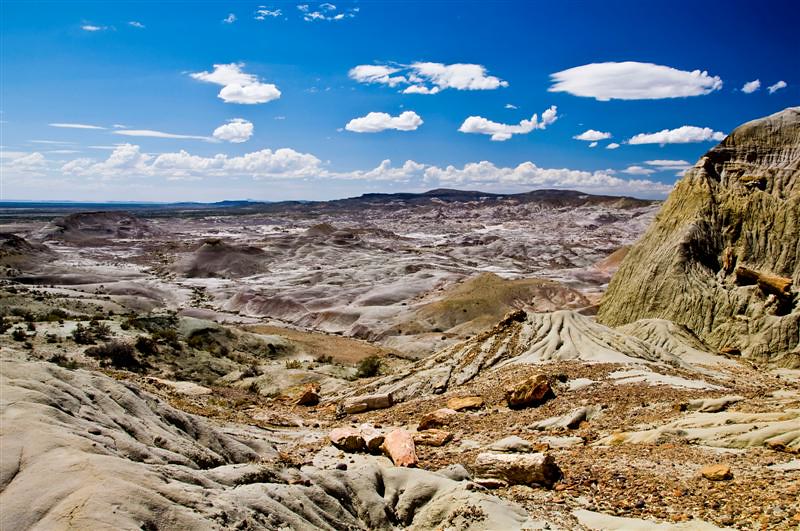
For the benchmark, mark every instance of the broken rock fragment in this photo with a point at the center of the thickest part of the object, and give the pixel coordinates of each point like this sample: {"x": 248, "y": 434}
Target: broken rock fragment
{"x": 518, "y": 468}
{"x": 433, "y": 437}
{"x": 461, "y": 403}
{"x": 399, "y": 446}
{"x": 309, "y": 396}
{"x": 717, "y": 472}
{"x": 373, "y": 437}
{"x": 347, "y": 439}
{"x": 360, "y": 404}
{"x": 532, "y": 391}
{"x": 436, "y": 419}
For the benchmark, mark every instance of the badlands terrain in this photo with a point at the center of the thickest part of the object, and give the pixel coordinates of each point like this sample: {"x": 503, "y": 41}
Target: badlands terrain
{"x": 447, "y": 360}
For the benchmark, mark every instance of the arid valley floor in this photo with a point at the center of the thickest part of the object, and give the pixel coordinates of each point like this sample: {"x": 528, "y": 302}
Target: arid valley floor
{"x": 259, "y": 365}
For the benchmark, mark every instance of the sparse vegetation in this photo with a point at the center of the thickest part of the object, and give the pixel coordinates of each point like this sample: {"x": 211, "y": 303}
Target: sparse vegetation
{"x": 293, "y": 364}
{"x": 146, "y": 345}
{"x": 368, "y": 367}
{"x": 82, "y": 335}
{"x": 117, "y": 354}
{"x": 19, "y": 335}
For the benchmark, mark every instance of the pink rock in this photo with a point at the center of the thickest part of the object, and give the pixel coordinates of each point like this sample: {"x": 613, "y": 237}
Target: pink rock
{"x": 437, "y": 419}
{"x": 347, "y": 439}
{"x": 399, "y": 446}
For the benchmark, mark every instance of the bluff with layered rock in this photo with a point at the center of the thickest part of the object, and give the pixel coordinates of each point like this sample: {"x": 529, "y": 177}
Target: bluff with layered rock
{"x": 722, "y": 256}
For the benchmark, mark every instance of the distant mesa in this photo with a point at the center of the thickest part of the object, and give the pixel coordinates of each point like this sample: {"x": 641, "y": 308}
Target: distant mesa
{"x": 722, "y": 256}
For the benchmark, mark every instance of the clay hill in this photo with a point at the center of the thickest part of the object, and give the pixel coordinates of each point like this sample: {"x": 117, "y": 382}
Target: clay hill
{"x": 723, "y": 255}
{"x": 90, "y": 227}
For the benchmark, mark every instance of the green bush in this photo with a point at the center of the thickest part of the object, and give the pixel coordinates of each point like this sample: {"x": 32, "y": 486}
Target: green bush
{"x": 368, "y": 367}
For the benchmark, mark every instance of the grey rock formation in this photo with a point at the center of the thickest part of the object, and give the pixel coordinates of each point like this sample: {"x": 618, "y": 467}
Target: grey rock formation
{"x": 723, "y": 255}
{"x": 84, "y": 451}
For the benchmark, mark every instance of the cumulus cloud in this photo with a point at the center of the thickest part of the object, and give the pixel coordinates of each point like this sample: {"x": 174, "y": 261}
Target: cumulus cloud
{"x": 682, "y": 135}
{"x": 631, "y": 80}
{"x": 593, "y": 145}
{"x": 501, "y": 132}
{"x": 159, "y": 134}
{"x": 128, "y": 160}
{"x": 375, "y": 122}
{"x": 236, "y": 131}
{"x": 92, "y": 28}
{"x": 751, "y": 86}
{"x": 75, "y": 126}
{"x": 529, "y": 175}
{"x": 638, "y": 170}
{"x": 230, "y": 19}
{"x": 136, "y": 24}
{"x": 427, "y": 77}
{"x": 590, "y": 135}
{"x": 777, "y": 86}
{"x": 612, "y": 145}
{"x": 237, "y": 86}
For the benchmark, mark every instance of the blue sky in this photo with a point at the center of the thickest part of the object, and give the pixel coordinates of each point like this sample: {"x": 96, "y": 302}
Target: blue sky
{"x": 285, "y": 114}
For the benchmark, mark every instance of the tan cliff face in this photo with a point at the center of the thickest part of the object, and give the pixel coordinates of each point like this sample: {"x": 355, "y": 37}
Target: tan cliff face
{"x": 722, "y": 256}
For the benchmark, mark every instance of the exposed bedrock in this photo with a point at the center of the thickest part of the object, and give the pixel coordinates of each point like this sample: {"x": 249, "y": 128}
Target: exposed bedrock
{"x": 722, "y": 256}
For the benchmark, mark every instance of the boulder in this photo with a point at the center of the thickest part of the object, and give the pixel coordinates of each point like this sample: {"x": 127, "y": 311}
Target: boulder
{"x": 309, "y": 396}
{"x": 460, "y": 403}
{"x": 399, "y": 446}
{"x": 360, "y": 404}
{"x": 433, "y": 437}
{"x": 532, "y": 391}
{"x": 347, "y": 439}
{"x": 518, "y": 469}
{"x": 437, "y": 419}
{"x": 717, "y": 472}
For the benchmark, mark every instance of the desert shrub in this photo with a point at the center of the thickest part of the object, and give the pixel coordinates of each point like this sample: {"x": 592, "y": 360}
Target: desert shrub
{"x": 19, "y": 335}
{"x": 5, "y": 326}
{"x": 51, "y": 338}
{"x": 54, "y": 315}
{"x": 146, "y": 345}
{"x": 117, "y": 354}
{"x": 22, "y": 312}
{"x": 293, "y": 364}
{"x": 99, "y": 329}
{"x": 31, "y": 327}
{"x": 82, "y": 335}
{"x": 323, "y": 359}
{"x": 368, "y": 367}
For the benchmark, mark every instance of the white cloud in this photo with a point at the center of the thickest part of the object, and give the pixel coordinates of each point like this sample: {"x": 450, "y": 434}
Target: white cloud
{"x": 501, "y": 132}
{"x": 612, "y": 145}
{"x": 127, "y": 160}
{"x": 375, "y": 122}
{"x": 75, "y": 126}
{"x": 638, "y": 170}
{"x": 327, "y": 7}
{"x": 376, "y": 74}
{"x": 93, "y": 28}
{"x": 529, "y": 175}
{"x": 31, "y": 163}
{"x": 230, "y": 19}
{"x": 54, "y": 142}
{"x": 633, "y": 81}
{"x": 593, "y": 145}
{"x": 682, "y": 135}
{"x": 237, "y": 131}
{"x": 237, "y": 86}
{"x": 777, "y": 86}
{"x": 751, "y": 86}
{"x": 590, "y": 135}
{"x": 263, "y": 13}
{"x": 662, "y": 165}
{"x": 136, "y": 24}
{"x": 325, "y": 11}
{"x": 303, "y": 8}
{"x": 159, "y": 134}
{"x": 427, "y": 77}
{"x": 510, "y": 106}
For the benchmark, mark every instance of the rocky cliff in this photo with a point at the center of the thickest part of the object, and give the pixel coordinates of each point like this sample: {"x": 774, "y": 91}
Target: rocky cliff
{"x": 722, "y": 256}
